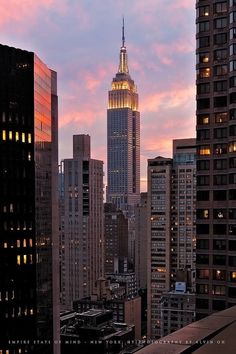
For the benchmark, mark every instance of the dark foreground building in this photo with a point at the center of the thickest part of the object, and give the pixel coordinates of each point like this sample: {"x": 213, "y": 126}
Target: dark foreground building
{"x": 28, "y": 204}
{"x": 216, "y": 156}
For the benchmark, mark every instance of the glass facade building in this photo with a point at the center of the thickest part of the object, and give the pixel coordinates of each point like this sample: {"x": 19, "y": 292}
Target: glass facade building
{"x": 28, "y": 203}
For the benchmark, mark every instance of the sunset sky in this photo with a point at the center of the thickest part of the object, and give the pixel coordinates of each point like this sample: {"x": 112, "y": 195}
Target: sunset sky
{"x": 80, "y": 39}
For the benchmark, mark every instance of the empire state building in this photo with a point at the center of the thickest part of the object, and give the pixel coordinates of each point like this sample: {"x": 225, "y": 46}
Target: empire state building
{"x": 123, "y": 138}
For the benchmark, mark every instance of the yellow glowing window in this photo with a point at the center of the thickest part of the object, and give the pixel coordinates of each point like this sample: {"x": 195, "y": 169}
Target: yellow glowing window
{"x": 29, "y": 138}
{"x": 205, "y": 120}
{"x": 204, "y": 150}
{"x": 18, "y": 259}
{"x": 4, "y": 135}
{"x": 233, "y": 275}
{"x": 232, "y": 147}
{"x": 17, "y": 136}
{"x": 10, "y": 135}
{"x": 23, "y": 137}
{"x": 5, "y": 245}
{"x": 25, "y": 258}
{"x": 18, "y": 243}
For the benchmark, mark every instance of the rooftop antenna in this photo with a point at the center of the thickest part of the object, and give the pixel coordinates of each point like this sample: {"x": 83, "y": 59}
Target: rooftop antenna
{"x": 123, "y": 33}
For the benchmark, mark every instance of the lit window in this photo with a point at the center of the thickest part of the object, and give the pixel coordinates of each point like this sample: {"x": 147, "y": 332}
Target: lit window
{"x": 5, "y": 245}
{"x": 31, "y": 311}
{"x": 23, "y": 137}
{"x": 11, "y": 208}
{"x": 31, "y": 258}
{"x": 18, "y": 259}
{"x": 4, "y": 136}
{"x": 232, "y": 146}
{"x": 25, "y": 258}
{"x": 24, "y": 243}
{"x": 30, "y": 242}
{"x": 18, "y": 243}
{"x": 233, "y": 275}
{"x": 6, "y": 297}
{"x": 29, "y": 156}
{"x": 29, "y": 138}
{"x": 17, "y": 136}
{"x": 204, "y": 150}
{"x": 10, "y": 135}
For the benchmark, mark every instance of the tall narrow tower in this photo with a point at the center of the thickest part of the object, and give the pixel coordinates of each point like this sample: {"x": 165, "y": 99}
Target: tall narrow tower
{"x": 123, "y": 138}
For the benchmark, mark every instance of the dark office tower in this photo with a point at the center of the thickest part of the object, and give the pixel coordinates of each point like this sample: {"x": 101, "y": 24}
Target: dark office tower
{"x": 115, "y": 239}
{"x": 28, "y": 203}
{"x": 216, "y": 156}
{"x": 123, "y": 138}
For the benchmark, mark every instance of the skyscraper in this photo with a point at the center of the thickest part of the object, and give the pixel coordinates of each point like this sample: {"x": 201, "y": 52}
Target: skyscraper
{"x": 216, "y": 156}
{"x": 82, "y": 239}
{"x": 29, "y": 268}
{"x": 170, "y": 226}
{"x": 123, "y": 138}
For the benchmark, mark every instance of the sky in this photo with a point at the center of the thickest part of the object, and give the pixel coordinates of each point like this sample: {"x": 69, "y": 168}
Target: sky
{"x": 81, "y": 39}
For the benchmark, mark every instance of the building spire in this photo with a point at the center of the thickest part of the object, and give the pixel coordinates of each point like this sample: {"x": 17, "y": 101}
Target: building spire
{"x": 123, "y": 33}
{"x": 123, "y": 66}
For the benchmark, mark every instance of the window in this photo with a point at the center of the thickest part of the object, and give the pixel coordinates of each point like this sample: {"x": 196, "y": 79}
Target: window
{"x": 218, "y": 290}
{"x": 219, "y": 195}
{"x": 232, "y": 49}
{"x": 202, "y": 244}
{"x": 204, "y": 150}
{"x": 203, "y": 213}
{"x": 232, "y": 213}
{"x": 203, "y": 273}
{"x": 219, "y": 259}
{"x": 203, "y": 119}
{"x": 219, "y": 245}
{"x": 204, "y": 72}
{"x": 220, "y": 54}
{"x": 202, "y": 259}
{"x": 203, "y": 88}
{"x": 203, "y": 58}
{"x": 232, "y": 194}
{"x": 219, "y": 274}
{"x": 232, "y": 245}
{"x": 220, "y": 101}
{"x": 219, "y": 39}
{"x": 220, "y": 86}
{"x": 203, "y": 134}
{"x": 203, "y": 180}
{"x": 232, "y": 292}
{"x": 220, "y": 23}
{"x": 203, "y": 165}
{"x": 232, "y": 146}
{"x": 203, "y": 11}
{"x": 221, "y": 117}
{"x": 232, "y": 2}
{"x": 220, "y": 180}
{"x": 219, "y": 229}
{"x": 220, "y": 149}
{"x": 232, "y": 33}
{"x": 203, "y": 229}
{"x": 232, "y": 81}
{"x": 232, "y": 65}
{"x": 202, "y": 289}
{"x": 220, "y": 164}
{"x": 232, "y": 162}
{"x": 232, "y": 261}
{"x": 232, "y": 98}
{"x": 202, "y": 303}
{"x": 219, "y": 213}
{"x": 232, "y": 229}
{"x": 203, "y": 26}
{"x": 220, "y": 70}
{"x": 202, "y": 195}
{"x": 232, "y": 114}
{"x": 232, "y": 130}
{"x": 203, "y": 103}
{"x": 233, "y": 276}
{"x": 220, "y": 7}
{"x": 220, "y": 133}
{"x": 232, "y": 17}
{"x": 203, "y": 42}
{"x": 218, "y": 305}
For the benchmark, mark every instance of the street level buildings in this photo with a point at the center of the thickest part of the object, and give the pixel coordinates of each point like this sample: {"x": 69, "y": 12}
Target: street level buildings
{"x": 82, "y": 234}
{"x": 29, "y": 250}
{"x": 216, "y": 156}
{"x": 123, "y": 138}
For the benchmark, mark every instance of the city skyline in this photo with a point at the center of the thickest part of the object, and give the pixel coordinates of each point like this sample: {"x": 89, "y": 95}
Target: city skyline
{"x": 81, "y": 32}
